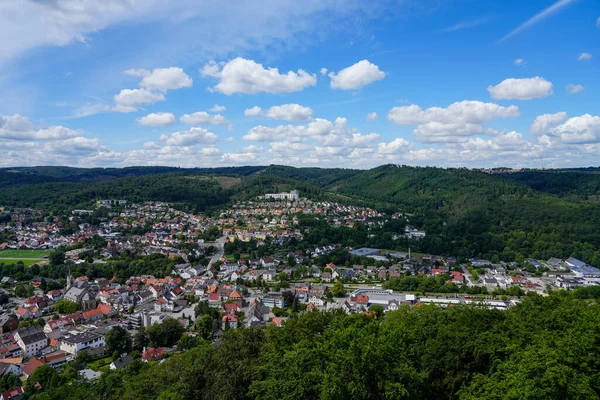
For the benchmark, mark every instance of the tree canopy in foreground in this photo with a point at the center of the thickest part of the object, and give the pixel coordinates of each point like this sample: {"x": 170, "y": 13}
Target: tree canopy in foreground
{"x": 545, "y": 348}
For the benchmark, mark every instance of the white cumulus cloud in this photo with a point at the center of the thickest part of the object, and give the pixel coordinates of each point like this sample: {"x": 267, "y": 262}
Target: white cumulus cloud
{"x": 325, "y": 132}
{"x": 519, "y": 62}
{"x": 217, "y": 108}
{"x": 574, "y": 89}
{"x": 289, "y": 112}
{"x": 356, "y": 76}
{"x": 542, "y": 123}
{"x": 162, "y": 79}
{"x": 371, "y": 116}
{"x": 395, "y": 146}
{"x": 584, "y": 57}
{"x": 247, "y": 76}
{"x": 190, "y": 137}
{"x": 451, "y": 124}
{"x": 128, "y": 100}
{"x": 204, "y": 118}
{"x": 18, "y": 127}
{"x": 252, "y": 112}
{"x": 157, "y": 119}
{"x": 582, "y": 129}
{"x": 521, "y": 89}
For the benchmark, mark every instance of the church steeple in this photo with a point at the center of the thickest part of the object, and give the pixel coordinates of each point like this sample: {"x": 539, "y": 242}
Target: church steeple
{"x": 69, "y": 279}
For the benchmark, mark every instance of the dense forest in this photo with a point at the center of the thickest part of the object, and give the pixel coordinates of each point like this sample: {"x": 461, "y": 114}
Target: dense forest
{"x": 466, "y": 213}
{"x": 545, "y": 348}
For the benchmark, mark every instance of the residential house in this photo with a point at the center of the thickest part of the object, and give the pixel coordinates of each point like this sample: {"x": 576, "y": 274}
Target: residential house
{"x": 490, "y": 282}
{"x": 457, "y": 277}
{"x": 55, "y": 295}
{"x": 257, "y": 314}
{"x": 272, "y": 300}
{"x": 64, "y": 322}
{"x": 153, "y": 354}
{"x": 30, "y": 366}
{"x": 93, "y": 315}
{"x": 55, "y": 360}
{"x": 362, "y": 299}
{"x": 8, "y": 323}
{"x": 316, "y": 299}
{"x": 214, "y": 299}
{"x": 31, "y": 340}
{"x": 74, "y": 344}
{"x": 121, "y": 362}
{"x": 229, "y": 321}
{"x": 89, "y": 374}
{"x": 348, "y": 273}
{"x": 316, "y": 272}
{"x": 269, "y": 275}
{"x": 13, "y": 394}
{"x": 9, "y": 369}
{"x": 28, "y": 313}
{"x": 157, "y": 291}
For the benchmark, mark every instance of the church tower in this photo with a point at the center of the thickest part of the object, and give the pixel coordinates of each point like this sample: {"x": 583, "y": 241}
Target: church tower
{"x": 69, "y": 279}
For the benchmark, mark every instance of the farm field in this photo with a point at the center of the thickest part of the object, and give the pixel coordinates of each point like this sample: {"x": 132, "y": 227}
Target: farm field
{"x": 23, "y": 254}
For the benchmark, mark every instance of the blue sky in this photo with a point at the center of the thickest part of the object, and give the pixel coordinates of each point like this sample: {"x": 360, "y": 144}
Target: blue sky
{"x": 449, "y": 83}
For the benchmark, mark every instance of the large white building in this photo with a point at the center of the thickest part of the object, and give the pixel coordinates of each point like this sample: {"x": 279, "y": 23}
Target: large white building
{"x": 292, "y": 195}
{"x": 84, "y": 341}
{"x": 31, "y": 340}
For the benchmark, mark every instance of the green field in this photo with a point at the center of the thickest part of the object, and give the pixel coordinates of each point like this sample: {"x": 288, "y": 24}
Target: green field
{"x": 17, "y": 254}
{"x": 9, "y": 261}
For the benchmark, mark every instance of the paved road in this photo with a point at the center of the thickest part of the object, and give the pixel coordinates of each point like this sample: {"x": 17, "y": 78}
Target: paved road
{"x": 469, "y": 277}
{"x": 220, "y": 242}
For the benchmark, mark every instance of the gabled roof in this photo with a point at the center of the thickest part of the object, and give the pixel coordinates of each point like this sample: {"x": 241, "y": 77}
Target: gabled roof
{"x": 13, "y": 393}
{"x": 22, "y": 311}
{"x": 229, "y": 318}
{"x": 105, "y": 309}
{"x": 93, "y": 313}
{"x": 32, "y": 365}
{"x": 153, "y": 353}
{"x": 123, "y": 361}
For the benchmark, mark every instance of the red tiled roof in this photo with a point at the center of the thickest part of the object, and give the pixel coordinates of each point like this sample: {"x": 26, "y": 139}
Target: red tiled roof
{"x": 231, "y": 307}
{"x": 105, "y": 309}
{"x": 457, "y": 276}
{"x": 13, "y": 393}
{"x": 21, "y": 311}
{"x": 362, "y": 299}
{"x": 31, "y": 366}
{"x": 54, "y": 357}
{"x": 235, "y": 295}
{"x": 153, "y": 353}
{"x": 92, "y": 313}
{"x": 229, "y": 318}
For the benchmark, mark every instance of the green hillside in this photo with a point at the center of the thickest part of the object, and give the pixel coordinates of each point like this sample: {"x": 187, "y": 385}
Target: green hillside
{"x": 466, "y": 213}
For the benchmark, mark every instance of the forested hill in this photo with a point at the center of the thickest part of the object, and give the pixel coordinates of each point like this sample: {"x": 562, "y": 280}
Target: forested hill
{"x": 465, "y": 213}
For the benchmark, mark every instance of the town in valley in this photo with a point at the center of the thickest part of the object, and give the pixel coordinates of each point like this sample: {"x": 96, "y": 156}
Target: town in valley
{"x": 120, "y": 281}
